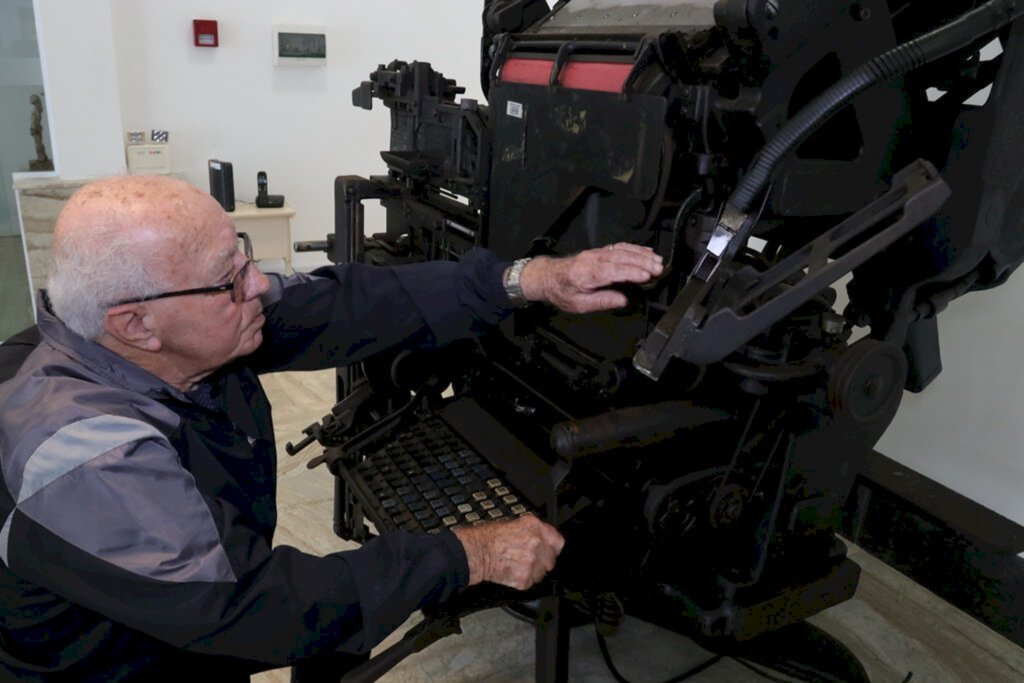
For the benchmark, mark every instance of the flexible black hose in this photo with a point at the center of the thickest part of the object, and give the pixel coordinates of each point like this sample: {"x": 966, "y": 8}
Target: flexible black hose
{"x": 938, "y": 43}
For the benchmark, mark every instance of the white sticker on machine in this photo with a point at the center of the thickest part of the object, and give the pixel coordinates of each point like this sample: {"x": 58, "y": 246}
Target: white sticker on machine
{"x": 514, "y": 109}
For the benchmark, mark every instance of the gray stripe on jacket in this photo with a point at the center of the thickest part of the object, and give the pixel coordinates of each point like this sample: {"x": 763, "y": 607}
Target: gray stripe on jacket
{"x": 138, "y": 508}
{"x": 76, "y": 444}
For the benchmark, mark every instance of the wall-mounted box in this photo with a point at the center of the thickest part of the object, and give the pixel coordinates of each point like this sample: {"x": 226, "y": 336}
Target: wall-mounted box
{"x": 204, "y": 33}
{"x": 300, "y": 45}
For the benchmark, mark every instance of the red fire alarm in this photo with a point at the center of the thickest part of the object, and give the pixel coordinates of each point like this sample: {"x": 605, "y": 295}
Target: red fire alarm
{"x": 205, "y": 32}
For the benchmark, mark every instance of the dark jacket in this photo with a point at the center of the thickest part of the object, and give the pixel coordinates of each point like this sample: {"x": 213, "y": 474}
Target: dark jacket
{"x": 136, "y": 521}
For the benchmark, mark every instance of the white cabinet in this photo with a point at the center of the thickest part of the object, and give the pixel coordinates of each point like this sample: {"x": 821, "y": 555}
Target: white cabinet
{"x": 269, "y": 229}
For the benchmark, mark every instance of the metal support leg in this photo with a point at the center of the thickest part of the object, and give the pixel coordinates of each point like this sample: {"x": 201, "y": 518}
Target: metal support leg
{"x": 552, "y": 657}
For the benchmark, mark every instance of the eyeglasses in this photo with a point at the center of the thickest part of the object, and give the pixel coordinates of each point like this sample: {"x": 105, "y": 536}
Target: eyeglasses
{"x": 235, "y": 285}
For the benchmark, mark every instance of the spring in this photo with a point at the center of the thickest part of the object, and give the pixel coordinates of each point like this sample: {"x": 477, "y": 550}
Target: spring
{"x": 608, "y": 614}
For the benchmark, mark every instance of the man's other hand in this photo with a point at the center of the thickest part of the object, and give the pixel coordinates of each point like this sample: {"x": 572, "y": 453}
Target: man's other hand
{"x": 516, "y": 554}
{"x": 578, "y": 284}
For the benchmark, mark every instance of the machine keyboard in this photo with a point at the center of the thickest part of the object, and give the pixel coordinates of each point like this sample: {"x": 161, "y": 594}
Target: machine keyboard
{"x": 427, "y": 479}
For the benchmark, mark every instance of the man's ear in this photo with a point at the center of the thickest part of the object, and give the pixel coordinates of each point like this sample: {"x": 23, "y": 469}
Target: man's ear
{"x": 130, "y": 324}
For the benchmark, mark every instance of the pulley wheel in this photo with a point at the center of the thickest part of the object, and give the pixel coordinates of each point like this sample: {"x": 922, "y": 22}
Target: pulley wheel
{"x": 868, "y": 382}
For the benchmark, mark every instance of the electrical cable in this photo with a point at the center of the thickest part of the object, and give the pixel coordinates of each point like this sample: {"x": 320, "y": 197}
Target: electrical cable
{"x": 763, "y": 674}
{"x": 689, "y": 673}
{"x": 697, "y": 669}
{"x": 608, "y": 658}
{"x": 903, "y": 58}
{"x": 617, "y": 675}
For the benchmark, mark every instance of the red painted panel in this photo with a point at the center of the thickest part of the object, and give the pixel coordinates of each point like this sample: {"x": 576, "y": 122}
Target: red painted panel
{"x": 601, "y": 76}
{"x": 606, "y": 77}
{"x": 531, "y": 71}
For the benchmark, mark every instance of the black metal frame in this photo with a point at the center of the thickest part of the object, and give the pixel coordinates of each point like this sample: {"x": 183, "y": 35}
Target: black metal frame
{"x": 757, "y": 378}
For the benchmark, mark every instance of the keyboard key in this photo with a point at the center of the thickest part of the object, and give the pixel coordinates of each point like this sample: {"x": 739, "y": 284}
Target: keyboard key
{"x": 465, "y": 507}
{"x": 509, "y": 500}
{"x": 472, "y": 517}
{"x": 495, "y": 514}
{"x": 494, "y": 483}
{"x": 449, "y": 521}
{"x": 518, "y": 509}
{"x": 479, "y": 495}
{"x": 501, "y": 491}
{"x": 486, "y": 505}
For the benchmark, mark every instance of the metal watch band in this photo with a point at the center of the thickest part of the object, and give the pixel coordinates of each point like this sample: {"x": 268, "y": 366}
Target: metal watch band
{"x": 512, "y": 285}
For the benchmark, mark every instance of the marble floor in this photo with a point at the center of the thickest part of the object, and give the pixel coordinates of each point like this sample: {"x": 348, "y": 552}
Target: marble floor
{"x": 15, "y": 301}
{"x": 895, "y": 626}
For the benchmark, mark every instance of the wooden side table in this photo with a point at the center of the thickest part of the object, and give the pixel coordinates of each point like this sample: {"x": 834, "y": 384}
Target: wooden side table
{"x": 269, "y": 229}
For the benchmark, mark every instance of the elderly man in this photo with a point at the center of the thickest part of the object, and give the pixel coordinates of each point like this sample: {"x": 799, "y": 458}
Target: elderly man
{"x": 137, "y": 497}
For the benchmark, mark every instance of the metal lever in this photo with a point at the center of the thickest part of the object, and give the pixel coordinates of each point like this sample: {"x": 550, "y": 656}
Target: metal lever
{"x": 416, "y": 639}
{"x": 700, "y": 330}
{"x": 440, "y": 622}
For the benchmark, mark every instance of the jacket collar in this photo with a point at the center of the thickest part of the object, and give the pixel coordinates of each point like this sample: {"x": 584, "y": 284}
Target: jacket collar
{"x": 98, "y": 358}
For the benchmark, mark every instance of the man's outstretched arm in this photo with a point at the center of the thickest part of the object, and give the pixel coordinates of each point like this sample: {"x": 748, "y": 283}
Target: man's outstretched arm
{"x": 581, "y": 283}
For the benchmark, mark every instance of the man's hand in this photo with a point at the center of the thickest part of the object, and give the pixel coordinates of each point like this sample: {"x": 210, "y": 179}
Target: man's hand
{"x": 516, "y": 554}
{"x": 577, "y": 284}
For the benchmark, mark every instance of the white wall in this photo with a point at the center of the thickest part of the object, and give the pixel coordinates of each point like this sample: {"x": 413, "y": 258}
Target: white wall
{"x": 297, "y": 123}
{"x": 76, "y": 44}
{"x": 966, "y": 430}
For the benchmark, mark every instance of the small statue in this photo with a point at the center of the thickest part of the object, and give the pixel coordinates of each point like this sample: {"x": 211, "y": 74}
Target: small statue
{"x": 42, "y": 162}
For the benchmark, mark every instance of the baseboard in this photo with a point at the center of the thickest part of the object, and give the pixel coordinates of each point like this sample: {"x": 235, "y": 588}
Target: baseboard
{"x": 958, "y": 549}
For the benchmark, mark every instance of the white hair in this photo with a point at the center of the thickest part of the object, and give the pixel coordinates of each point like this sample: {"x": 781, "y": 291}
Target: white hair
{"x": 94, "y": 269}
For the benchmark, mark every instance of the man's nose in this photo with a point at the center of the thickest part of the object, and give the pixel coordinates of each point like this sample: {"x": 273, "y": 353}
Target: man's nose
{"x": 258, "y": 285}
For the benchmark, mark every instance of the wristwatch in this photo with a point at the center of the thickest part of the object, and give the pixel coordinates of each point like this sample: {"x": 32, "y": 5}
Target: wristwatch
{"x": 512, "y": 286}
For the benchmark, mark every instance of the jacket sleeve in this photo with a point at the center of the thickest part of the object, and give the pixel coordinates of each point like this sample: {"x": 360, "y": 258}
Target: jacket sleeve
{"x": 128, "y": 535}
{"x": 344, "y": 314}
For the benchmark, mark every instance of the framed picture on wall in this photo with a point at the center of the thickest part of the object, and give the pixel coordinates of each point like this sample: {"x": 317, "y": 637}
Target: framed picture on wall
{"x": 300, "y": 45}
